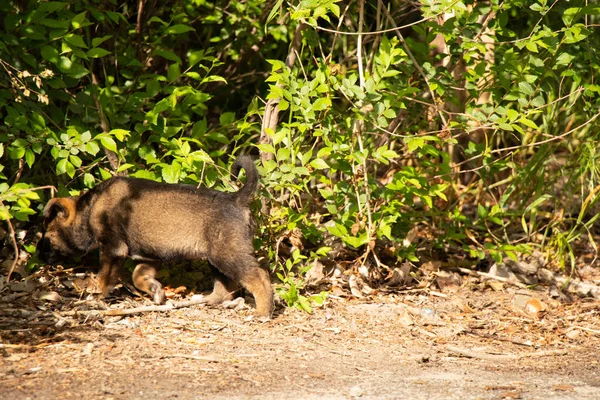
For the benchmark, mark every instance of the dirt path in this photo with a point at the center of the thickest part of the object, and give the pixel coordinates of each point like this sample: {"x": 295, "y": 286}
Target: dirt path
{"x": 392, "y": 346}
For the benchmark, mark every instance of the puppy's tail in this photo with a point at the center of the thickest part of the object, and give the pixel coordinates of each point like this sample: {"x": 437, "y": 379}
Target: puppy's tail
{"x": 246, "y": 193}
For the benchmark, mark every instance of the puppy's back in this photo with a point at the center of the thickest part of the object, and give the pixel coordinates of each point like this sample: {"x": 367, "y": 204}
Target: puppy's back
{"x": 168, "y": 221}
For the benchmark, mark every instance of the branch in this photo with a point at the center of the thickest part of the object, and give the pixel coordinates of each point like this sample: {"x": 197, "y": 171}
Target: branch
{"x": 271, "y": 116}
{"x": 412, "y": 57}
{"x": 14, "y": 241}
{"x": 10, "y": 227}
{"x": 502, "y": 357}
{"x": 136, "y": 310}
{"x": 112, "y": 157}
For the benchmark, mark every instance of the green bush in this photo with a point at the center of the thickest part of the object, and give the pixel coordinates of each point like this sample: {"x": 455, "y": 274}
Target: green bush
{"x": 453, "y": 130}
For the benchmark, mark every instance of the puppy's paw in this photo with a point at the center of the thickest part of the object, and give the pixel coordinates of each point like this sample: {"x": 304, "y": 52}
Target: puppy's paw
{"x": 157, "y": 292}
{"x": 106, "y": 290}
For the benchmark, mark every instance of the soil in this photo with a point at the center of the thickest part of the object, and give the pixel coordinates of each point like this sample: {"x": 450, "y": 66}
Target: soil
{"x": 470, "y": 342}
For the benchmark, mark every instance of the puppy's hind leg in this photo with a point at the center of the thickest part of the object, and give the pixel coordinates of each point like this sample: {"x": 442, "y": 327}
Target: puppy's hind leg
{"x": 223, "y": 289}
{"x": 144, "y": 279}
{"x": 257, "y": 281}
{"x": 245, "y": 270}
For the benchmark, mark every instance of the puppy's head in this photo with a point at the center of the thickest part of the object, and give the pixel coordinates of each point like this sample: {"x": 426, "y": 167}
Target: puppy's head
{"x": 58, "y": 235}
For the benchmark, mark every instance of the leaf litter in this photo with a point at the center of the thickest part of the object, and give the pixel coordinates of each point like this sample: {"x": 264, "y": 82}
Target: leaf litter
{"x": 450, "y": 335}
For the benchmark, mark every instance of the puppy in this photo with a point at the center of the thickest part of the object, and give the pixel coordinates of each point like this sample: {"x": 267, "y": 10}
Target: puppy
{"x": 152, "y": 222}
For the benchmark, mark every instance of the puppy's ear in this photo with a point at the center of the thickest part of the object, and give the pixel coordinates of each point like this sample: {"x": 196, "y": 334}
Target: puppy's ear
{"x": 63, "y": 208}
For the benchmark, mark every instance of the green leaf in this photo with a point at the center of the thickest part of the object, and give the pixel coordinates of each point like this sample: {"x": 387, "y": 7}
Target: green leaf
{"x": 50, "y": 54}
{"x": 526, "y": 88}
{"x": 571, "y": 14}
{"x": 414, "y": 143}
{"x": 75, "y": 40}
{"x": 169, "y": 55}
{"x": 319, "y": 163}
{"x": 70, "y": 168}
{"x": 97, "y": 52}
{"x": 482, "y": 211}
{"x": 322, "y": 103}
{"x": 108, "y": 143}
{"x": 99, "y": 40}
{"x": 76, "y": 161}
{"x": 51, "y": 6}
{"x": 171, "y": 173}
{"x": 226, "y": 118}
{"x": 120, "y": 134}
{"x": 29, "y": 157}
{"x": 357, "y": 242}
{"x": 178, "y": 29}
{"x": 78, "y": 20}
{"x": 575, "y": 34}
{"x": 72, "y": 69}
{"x": 16, "y": 153}
{"x": 283, "y": 154}
{"x": 196, "y": 57}
{"x": 266, "y": 148}
{"x": 563, "y": 59}
{"x": 92, "y": 148}
{"x": 61, "y": 166}
{"x": 529, "y": 123}
{"x": 173, "y": 72}
{"x": 275, "y": 9}
{"x": 88, "y": 180}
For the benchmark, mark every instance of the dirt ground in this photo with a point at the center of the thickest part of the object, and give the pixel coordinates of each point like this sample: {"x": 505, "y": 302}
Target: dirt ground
{"x": 471, "y": 342}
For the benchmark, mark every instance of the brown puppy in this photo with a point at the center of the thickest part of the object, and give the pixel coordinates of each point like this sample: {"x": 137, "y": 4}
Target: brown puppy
{"x": 152, "y": 222}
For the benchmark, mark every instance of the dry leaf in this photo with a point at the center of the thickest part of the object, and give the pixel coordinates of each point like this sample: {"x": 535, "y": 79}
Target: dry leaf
{"x": 563, "y": 388}
{"x": 354, "y": 289}
{"x": 534, "y": 306}
{"x": 496, "y": 285}
{"x": 50, "y": 296}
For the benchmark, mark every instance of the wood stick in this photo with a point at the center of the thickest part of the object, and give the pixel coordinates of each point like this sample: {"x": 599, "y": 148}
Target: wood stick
{"x": 502, "y": 357}
{"x": 192, "y": 357}
{"x": 136, "y": 310}
{"x": 488, "y": 276}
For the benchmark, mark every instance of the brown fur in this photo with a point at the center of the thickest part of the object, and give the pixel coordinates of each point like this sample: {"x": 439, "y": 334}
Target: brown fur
{"x": 153, "y": 222}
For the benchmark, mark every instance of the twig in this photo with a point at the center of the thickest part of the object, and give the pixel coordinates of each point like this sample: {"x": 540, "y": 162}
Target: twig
{"x": 590, "y": 330}
{"x": 192, "y": 357}
{"x": 135, "y": 310}
{"x": 489, "y": 276}
{"x": 271, "y": 115}
{"x": 414, "y": 60}
{"x": 112, "y": 157}
{"x": 379, "y": 32}
{"x": 358, "y": 131}
{"x": 502, "y": 357}
{"x": 138, "y": 27}
{"x": 13, "y": 239}
{"x": 10, "y": 227}
{"x": 497, "y": 337}
{"x": 527, "y": 145}
{"x": 10, "y": 322}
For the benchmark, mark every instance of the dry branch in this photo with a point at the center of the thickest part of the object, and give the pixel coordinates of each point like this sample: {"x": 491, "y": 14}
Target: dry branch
{"x": 135, "y": 310}
{"x": 192, "y": 357}
{"x": 502, "y": 357}
{"x": 112, "y": 157}
{"x": 271, "y": 116}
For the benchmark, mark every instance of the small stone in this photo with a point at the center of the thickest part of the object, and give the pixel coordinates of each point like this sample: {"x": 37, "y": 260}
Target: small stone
{"x": 355, "y": 391}
{"x": 573, "y": 334}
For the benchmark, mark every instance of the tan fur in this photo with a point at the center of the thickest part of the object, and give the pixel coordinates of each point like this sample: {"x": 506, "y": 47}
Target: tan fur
{"x": 151, "y": 222}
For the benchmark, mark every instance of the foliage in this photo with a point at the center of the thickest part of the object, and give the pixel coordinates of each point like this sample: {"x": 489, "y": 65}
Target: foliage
{"x": 473, "y": 124}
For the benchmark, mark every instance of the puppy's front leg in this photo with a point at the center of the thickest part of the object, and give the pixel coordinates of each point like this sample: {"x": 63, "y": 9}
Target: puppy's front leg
{"x": 143, "y": 279}
{"x": 109, "y": 274}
